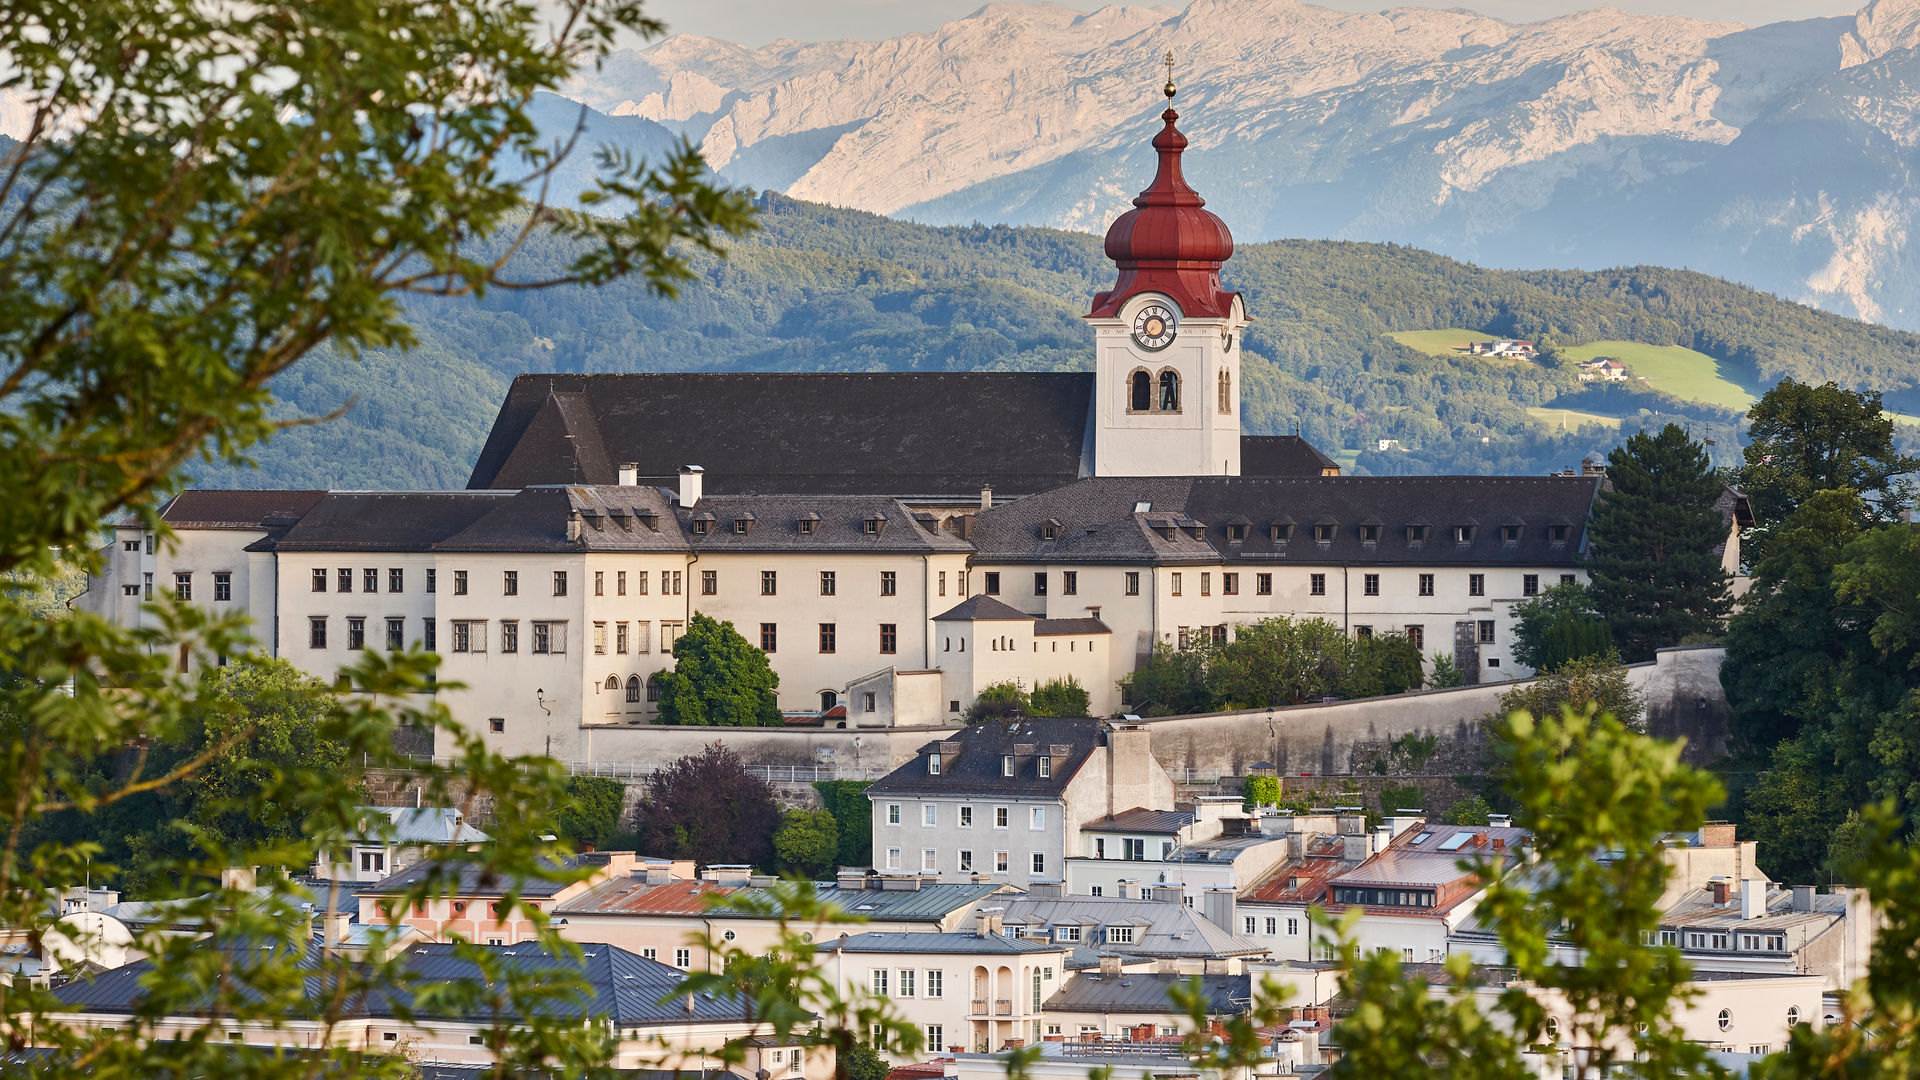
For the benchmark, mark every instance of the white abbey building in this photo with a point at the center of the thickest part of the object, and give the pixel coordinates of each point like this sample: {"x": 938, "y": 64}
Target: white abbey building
{"x": 893, "y": 541}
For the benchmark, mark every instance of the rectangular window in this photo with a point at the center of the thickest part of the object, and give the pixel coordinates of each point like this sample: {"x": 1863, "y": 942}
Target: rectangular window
{"x": 222, "y": 585}
{"x": 1046, "y": 767}
{"x": 1293, "y": 927}
{"x": 1000, "y": 862}
{"x": 1476, "y": 584}
{"x": 889, "y": 640}
{"x": 1069, "y": 582}
{"x": 643, "y": 636}
{"x": 396, "y": 579}
{"x": 893, "y": 858}
{"x": 559, "y": 583}
{"x": 936, "y": 979}
{"x": 769, "y": 582}
{"x": 1006, "y": 765}
{"x": 709, "y": 583}
{"x": 620, "y": 583}
{"x": 146, "y": 584}
{"x": 828, "y": 637}
{"x": 369, "y": 580}
{"x": 1417, "y": 637}
{"x": 769, "y": 637}
{"x": 929, "y": 815}
{"x": 343, "y": 580}
{"x": 620, "y": 637}
{"x": 1486, "y": 631}
{"x": 1317, "y": 584}
{"x": 993, "y": 582}
{"x": 828, "y": 585}
{"x": 356, "y": 633}
{"x": 936, "y": 1041}
{"x": 319, "y": 580}
{"x": 893, "y": 813}
{"x": 943, "y": 583}
{"x": 1363, "y": 631}
{"x": 1038, "y": 818}
{"x": 1263, "y": 584}
{"x": 183, "y": 586}
{"x": 1000, "y": 817}
{"x": 1119, "y": 935}
{"x": 966, "y": 867}
{"x": 429, "y": 638}
{"x": 1426, "y": 584}
{"x": 683, "y": 958}
{"x": 907, "y": 979}
{"x": 550, "y": 637}
{"x": 1530, "y": 585}
{"x": 1173, "y": 580}
{"x": 929, "y": 859}
{"x": 396, "y": 634}
{"x": 509, "y": 635}
{"x": 676, "y": 581}
{"x": 640, "y": 582}
{"x": 470, "y": 635}
{"x": 888, "y": 583}
{"x": 966, "y": 817}
{"x": 1039, "y": 863}
{"x": 1229, "y": 584}
{"x": 882, "y": 982}
{"x": 599, "y": 639}
{"x": 1206, "y": 583}
{"x": 1566, "y": 579}
{"x": 432, "y": 578}
{"x": 1370, "y": 584}
{"x": 459, "y": 583}
{"x": 1040, "y": 583}
{"x": 510, "y": 583}
{"x": 317, "y": 632}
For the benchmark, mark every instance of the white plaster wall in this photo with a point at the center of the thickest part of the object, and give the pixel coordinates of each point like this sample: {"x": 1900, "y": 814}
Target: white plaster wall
{"x": 913, "y": 837}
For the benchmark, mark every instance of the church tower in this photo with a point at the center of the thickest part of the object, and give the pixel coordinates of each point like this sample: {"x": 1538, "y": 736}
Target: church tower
{"x": 1167, "y": 336}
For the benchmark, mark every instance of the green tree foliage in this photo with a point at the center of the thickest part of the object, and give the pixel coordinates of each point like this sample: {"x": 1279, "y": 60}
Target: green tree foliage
{"x": 1060, "y": 697}
{"x": 1804, "y": 439}
{"x": 1397, "y": 797}
{"x": 1443, "y": 672}
{"x": 590, "y": 816}
{"x": 1559, "y": 625}
{"x": 807, "y": 842}
{"x": 998, "y": 701}
{"x": 1597, "y": 682}
{"x": 1256, "y": 791}
{"x": 707, "y": 807}
{"x": 718, "y": 679}
{"x": 1381, "y": 664}
{"x": 1276, "y": 661}
{"x": 1619, "y": 995}
{"x": 1655, "y": 539}
{"x": 1171, "y": 682}
{"x": 1472, "y": 810}
{"x": 846, "y": 800}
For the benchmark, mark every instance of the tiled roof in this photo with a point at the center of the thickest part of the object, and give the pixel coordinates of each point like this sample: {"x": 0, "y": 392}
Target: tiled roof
{"x": 387, "y": 520}
{"x": 954, "y": 943}
{"x": 1102, "y": 521}
{"x": 633, "y": 896}
{"x": 1069, "y": 627}
{"x": 199, "y": 509}
{"x": 1302, "y": 880}
{"x": 977, "y": 767}
{"x": 1148, "y": 992}
{"x": 839, "y": 525}
{"x": 1282, "y": 455}
{"x": 474, "y": 880}
{"x": 983, "y": 608}
{"x": 1139, "y": 820}
{"x": 876, "y": 433}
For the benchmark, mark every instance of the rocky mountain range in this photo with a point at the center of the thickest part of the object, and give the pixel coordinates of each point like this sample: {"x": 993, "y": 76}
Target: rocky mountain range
{"x": 1779, "y": 155}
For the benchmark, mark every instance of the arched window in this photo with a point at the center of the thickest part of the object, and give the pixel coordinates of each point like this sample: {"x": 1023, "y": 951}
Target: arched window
{"x": 1169, "y": 392}
{"x": 633, "y": 688}
{"x": 828, "y": 699}
{"x": 1226, "y": 392}
{"x": 653, "y": 689}
{"x": 1142, "y": 392}
{"x": 613, "y": 682}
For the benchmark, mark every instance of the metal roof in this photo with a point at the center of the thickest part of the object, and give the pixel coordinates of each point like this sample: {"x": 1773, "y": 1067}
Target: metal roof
{"x": 955, "y": 944}
{"x": 1141, "y": 820}
{"x": 1142, "y": 992}
{"x": 633, "y": 896}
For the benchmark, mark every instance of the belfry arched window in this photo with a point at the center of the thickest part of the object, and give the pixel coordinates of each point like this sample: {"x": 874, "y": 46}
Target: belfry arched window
{"x": 1226, "y": 392}
{"x": 633, "y": 688}
{"x": 1169, "y": 392}
{"x": 1141, "y": 399}
{"x": 613, "y": 682}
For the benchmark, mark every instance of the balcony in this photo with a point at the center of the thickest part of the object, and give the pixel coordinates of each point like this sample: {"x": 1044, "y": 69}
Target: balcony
{"x": 1003, "y": 1007}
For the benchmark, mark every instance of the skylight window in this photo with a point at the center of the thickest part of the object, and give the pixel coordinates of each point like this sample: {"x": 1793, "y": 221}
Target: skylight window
{"x": 1142, "y": 507}
{"x": 1421, "y": 839}
{"x": 1456, "y": 841}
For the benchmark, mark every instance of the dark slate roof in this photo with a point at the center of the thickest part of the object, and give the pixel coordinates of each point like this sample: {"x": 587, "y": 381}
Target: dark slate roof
{"x": 1142, "y": 820}
{"x": 474, "y": 880}
{"x": 1101, "y": 523}
{"x": 1128, "y": 992}
{"x": 955, "y": 943}
{"x": 1069, "y": 627}
{"x": 839, "y": 525}
{"x": 1282, "y": 455}
{"x": 807, "y": 433}
{"x": 197, "y": 509}
{"x": 983, "y": 608}
{"x": 386, "y": 520}
{"x": 975, "y": 770}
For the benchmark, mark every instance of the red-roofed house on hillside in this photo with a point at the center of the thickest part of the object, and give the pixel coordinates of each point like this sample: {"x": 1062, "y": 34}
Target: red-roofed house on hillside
{"x": 1415, "y": 892}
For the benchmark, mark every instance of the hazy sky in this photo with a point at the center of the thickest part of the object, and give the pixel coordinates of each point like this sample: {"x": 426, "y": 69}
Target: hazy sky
{"x": 754, "y": 22}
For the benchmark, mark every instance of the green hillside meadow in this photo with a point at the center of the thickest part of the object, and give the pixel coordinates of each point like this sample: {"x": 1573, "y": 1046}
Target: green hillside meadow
{"x": 821, "y": 289}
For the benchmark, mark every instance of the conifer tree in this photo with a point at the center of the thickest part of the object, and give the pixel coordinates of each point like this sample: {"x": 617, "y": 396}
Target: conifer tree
{"x": 1655, "y": 539}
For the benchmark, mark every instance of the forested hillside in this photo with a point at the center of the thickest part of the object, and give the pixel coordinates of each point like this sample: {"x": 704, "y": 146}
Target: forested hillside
{"x": 835, "y": 290}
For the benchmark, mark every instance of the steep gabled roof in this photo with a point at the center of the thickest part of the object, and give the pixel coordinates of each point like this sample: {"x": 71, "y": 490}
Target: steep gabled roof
{"x": 976, "y": 767}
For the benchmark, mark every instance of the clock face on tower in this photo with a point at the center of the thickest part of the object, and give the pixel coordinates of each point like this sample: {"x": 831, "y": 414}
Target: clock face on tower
{"x": 1154, "y": 327}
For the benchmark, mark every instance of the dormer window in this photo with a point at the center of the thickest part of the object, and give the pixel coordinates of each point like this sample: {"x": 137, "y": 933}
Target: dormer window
{"x": 1236, "y": 533}
{"x": 1323, "y": 532}
{"x": 1046, "y": 767}
{"x": 1369, "y": 534}
{"x": 741, "y": 526}
{"x": 933, "y": 764}
{"x": 649, "y": 518}
{"x": 807, "y": 525}
{"x": 1558, "y": 533}
{"x": 875, "y": 523}
{"x": 1463, "y": 534}
{"x": 1050, "y": 529}
{"x": 1417, "y": 534}
{"x": 702, "y": 526}
{"x": 1280, "y": 532}
{"x": 1509, "y": 534}
{"x": 1006, "y": 764}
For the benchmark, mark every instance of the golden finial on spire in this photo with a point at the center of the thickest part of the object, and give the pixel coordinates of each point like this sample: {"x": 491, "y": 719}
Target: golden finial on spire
{"x": 1169, "y": 62}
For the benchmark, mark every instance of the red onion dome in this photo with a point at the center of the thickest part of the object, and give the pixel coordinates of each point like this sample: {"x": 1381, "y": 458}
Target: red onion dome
{"x": 1168, "y": 243}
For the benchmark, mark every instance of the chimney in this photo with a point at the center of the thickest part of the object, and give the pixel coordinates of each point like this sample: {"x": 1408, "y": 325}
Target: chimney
{"x": 986, "y": 496}
{"x": 987, "y": 922}
{"x": 237, "y": 877}
{"x": 1803, "y": 898}
{"x": 630, "y": 474}
{"x": 1356, "y": 849}
{"x": 1753, "y": 898}
{"x": 1109, "y": 965}
{"x": 1382, "y": 836}
{"x": 852, "y": 879}
{"x": 659, "y": 874}
{"x": 1500, "y": 821}
{"x": 1720, "y": 889}
{"x": 1218, "y": 906}
{"x": 690, "y": 478}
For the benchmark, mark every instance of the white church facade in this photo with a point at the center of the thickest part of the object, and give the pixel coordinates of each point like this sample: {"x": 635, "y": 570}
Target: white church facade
{"x": 893, "y": 541}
